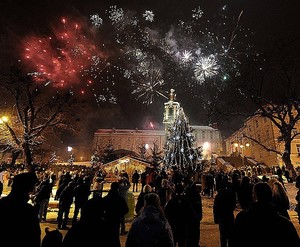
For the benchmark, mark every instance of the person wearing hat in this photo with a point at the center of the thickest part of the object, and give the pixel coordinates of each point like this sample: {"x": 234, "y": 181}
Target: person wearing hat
{"x": 19, "y": 219}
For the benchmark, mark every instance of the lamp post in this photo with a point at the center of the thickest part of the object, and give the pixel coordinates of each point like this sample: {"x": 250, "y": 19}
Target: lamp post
{"x": 71, "y": 158}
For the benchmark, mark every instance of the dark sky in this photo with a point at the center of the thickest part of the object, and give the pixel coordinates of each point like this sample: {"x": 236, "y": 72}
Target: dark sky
{"x": 267, "y": 19}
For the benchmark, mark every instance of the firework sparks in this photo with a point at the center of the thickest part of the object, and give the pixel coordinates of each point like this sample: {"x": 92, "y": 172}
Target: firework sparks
{"x": 187, "y": 56}
{"x": 190, "y": 53}
{"x": 97, "y": 21}
{"x": 148, "y": 15}
{"x": 197, "y": 13}
{"x": 116, "y": 14}
{"x": 62, "y": 57}
{"x": 149, "y": 86}
{"x": 206, "y": 67}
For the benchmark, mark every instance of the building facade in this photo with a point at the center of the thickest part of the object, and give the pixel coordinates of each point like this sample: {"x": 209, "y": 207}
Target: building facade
{"x": 205, "y": 136}
{"x": 264, "y": 131}
{"x": 128, "y": 139}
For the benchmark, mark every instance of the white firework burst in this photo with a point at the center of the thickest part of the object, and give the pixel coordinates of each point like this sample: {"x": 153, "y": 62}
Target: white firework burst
{"x": 187, "y": 56}
{"x": 206, "y": 67}
{"x": 127, "y": 73}
{"x": 149, "y": 86}
{"x": 197, "y": 13}
{"x": 97, "y": 21}
{"x": 149, "y": 15}
{"x": 134, "y": 21}
{"x": 116, "y": 14}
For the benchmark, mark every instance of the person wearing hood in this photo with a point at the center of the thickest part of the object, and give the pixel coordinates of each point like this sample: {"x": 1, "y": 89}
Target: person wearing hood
{"x": 150, "y": 228}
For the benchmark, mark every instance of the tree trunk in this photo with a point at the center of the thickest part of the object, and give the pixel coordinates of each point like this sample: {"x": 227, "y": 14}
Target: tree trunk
{"x": 15, "y": 155}
{"x": 28, "y": 156}
{"x": 286, "y": 158}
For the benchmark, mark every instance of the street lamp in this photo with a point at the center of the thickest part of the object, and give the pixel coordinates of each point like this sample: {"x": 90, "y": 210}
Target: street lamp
{"x": 3, "y": 119}
{"x": 207, "y": 148}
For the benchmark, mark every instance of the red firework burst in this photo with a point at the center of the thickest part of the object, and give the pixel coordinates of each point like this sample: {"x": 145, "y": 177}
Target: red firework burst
{"x": 62, "y": 58}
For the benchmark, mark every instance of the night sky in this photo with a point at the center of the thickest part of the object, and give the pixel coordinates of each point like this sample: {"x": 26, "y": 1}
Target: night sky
{"x": 262, "y": 21}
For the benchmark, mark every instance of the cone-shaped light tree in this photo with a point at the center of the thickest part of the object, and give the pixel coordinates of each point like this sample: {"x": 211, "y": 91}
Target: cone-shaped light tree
{"x": 179, "y": 148}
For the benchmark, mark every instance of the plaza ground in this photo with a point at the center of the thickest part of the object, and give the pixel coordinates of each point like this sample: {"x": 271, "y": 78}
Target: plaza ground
{"x": 209, "y": 232}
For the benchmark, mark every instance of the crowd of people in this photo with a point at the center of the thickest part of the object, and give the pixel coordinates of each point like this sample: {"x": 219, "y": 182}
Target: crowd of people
{"x": 168, "y": 208}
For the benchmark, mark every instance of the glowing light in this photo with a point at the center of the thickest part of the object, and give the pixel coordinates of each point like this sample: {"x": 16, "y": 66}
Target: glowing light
{"x": 206, "y": 145}
{"x": 149, "y": 86}
{"x": 187, "y": 56}
{"x": 97, "y": 21}
{"x": 152, "y": 126}
{"x": 148, "y": 15}
{"x": 116, "y": 14}
{"x": 206, "y": 67}
{"x": 62, "y": 58}
{"x": 197, "y": 13}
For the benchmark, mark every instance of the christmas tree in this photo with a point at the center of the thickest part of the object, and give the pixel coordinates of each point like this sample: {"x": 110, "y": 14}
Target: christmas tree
{"x": 95, "y": 159}
{"x": 179, "y": 149}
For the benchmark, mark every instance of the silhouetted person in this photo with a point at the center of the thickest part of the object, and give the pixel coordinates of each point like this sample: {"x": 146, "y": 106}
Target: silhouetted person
{"x": 244, "y": 193}
{"x": 19, "y": 220}
{"x": 123, "y": 191}
{"x": 209, "y": 184}
{"x": 64, "y": 205}
{"x": 140, "y": 200}
{"x": 42, "y": 198}
{"x": 280, "y": 198}
{"x": 143, "y": 179}
{"x": 81, "y": 195}
{"x": 195, "y": 200}
{"x": 115, "y": 208}
{"x": 150, "y": 228}
{"x": 135, "y": 181}
{"x": 223, "y": 208}
{"x": 261, "y": 225}
{"x": 53, "y": 238}
{"x": 178, "y": 211}
{"x": 90, "y": 229}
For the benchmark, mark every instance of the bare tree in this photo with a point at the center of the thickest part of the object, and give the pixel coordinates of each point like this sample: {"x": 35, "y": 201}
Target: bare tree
{"x": 35, "y": 110}
{"x": 271, "y": 85}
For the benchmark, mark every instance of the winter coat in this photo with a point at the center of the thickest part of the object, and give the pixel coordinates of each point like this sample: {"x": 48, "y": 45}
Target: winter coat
{"x": 224, "y": 205}
{"x": 150, "y": 229}
{"x": 115, "y": 207}
{"x": 44, "y": 191}
{"x": 140, "y": 202}
{"x": 178, "y": 211}
{"x": 261, "y": 225}
{"x": 19, "y": 223}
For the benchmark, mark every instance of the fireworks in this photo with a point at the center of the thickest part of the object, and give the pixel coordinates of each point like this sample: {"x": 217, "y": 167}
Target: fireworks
{"x": 97, "y": 21}
{"x": 186, "y": 57}
{"x": 123, "y": 49}
{"x": 148, "y": 15}
{"x": 206, "y": 67}
{"x": 60, "y": 58}
{"x": 115, "y": 14}
{"x": 149, "y": 86}
{"x": 197, "y": 13}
